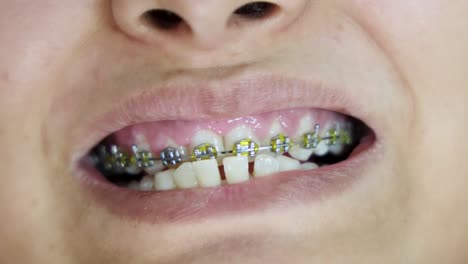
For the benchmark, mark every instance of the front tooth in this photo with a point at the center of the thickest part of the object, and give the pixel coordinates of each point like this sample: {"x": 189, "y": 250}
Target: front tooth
{"x": 306, "y": 125}
{"x": 207, "y": 137}
{"x": 184, "y": 176}
{"x": 237, "y": 134}
{"x": 146, "y": 184}
{"x": 265, "y": 165}
{"x": 288, "y": 164}
{"x": 207, "y": 173}
{"x": 164, "y": 180}
{"x": 236, "y": 169}
{"x": 309, "y": 166}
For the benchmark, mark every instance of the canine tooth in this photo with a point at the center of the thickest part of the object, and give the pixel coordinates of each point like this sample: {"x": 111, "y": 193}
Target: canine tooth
{"x": 265, "y": 165}
{"x": 146, "y": 184}
{"x": 207, "y": 173}
{"x": 288, "y": 164}
{"x": 238, "y": 133}
{"x": 184, "y": 176}
{"x": 299, "y": 153}
{"x": 236, "y": 169}
{"x": 309, "y": 166}
{"x": 164, "y": 180}
{"x": 321, "y": 150}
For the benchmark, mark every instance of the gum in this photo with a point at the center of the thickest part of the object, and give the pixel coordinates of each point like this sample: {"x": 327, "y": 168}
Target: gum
{"x": 161, "y": 134}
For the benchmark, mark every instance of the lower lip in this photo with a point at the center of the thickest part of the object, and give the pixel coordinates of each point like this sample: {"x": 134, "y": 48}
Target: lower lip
{"x": 258, "y": 194}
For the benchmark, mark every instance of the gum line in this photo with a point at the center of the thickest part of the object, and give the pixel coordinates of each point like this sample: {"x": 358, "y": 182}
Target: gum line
{"x": 117, "y": 161}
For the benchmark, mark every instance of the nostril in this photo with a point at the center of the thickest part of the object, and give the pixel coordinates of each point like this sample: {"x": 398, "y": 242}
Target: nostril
{"x": 162, "y": 19}
{"x": 256, "y": 10}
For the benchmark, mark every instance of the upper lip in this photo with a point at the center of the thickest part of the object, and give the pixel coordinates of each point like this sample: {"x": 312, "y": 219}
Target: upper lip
{"x": 220, "y": 99}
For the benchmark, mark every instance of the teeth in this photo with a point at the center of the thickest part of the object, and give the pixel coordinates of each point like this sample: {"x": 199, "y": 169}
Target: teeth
{"x": 207, "y": 173}
{"x": 237, "y": 134}
{"x": 288, "y": 164}
{"x": 306, "y": 124}
{"x": 336, "y": 149}
{"x": 309, "y": 166}
{"x": 322, "y": 149}
{"x": 236, "y": 169}
{"x": 265, "y": 165}
{"x": 133, "y": 170}
{"x": 142, "y": 143}
{"x": 274, "y": 130}
{"x": 184, "y": 176}
{"x": 158, "y": 167}
{"x": 146, "y": 184}
{"x": 164, "y": 180}
{"x": 208, "y": 137}
{"x": 299, "y": 153}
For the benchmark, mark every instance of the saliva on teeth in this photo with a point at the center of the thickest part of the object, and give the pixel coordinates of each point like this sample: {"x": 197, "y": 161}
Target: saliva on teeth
{"x": 177, "y": 170}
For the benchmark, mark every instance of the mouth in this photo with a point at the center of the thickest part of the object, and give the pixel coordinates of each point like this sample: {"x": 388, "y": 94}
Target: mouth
{"x": 166, "y": 167}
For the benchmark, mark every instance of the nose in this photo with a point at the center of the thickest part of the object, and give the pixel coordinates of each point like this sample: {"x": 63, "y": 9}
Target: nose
{"x": 190, "y": 25}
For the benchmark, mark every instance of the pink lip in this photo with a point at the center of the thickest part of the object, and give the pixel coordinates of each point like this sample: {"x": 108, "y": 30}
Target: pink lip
{"x": 221, "y": 100}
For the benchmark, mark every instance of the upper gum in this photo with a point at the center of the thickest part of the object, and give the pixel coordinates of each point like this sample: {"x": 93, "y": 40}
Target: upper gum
{"x": 160, "y": 136}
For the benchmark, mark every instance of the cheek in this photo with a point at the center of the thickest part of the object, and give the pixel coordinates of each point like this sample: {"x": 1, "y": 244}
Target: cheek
{"x": 35, "y": 36}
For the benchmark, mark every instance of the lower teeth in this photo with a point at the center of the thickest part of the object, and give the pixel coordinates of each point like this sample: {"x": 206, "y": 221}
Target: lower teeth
{"x": 141, "y": 171}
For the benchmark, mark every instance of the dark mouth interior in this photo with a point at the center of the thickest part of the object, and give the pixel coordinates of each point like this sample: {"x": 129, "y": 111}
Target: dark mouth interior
{"x": 360, "y": 132}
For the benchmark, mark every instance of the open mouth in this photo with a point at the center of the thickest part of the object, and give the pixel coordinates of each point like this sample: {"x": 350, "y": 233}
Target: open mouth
{"x": 173, "y": 155}
{"x": 164, "y": 164}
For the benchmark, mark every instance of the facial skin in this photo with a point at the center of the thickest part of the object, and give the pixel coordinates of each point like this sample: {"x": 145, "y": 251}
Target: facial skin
{"x": 64, "y": 63}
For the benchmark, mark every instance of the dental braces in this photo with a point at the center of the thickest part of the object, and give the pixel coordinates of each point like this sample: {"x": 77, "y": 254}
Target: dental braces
{"x": 118, "y": 160}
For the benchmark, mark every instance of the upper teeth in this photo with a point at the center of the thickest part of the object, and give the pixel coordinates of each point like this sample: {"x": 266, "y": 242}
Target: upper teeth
{"x": 207, "y": 145}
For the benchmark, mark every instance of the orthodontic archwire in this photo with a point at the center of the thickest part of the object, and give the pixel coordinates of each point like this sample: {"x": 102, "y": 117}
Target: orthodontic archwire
{"x": 114, "y": 159}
